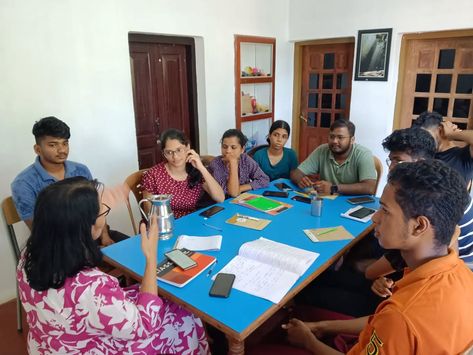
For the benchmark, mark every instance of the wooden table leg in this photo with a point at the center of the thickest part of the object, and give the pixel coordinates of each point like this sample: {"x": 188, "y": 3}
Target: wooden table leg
{"x": 235, "y": 347}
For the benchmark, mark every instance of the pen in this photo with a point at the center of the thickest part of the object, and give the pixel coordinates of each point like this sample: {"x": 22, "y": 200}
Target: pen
{"x": 247, "y": 217}
{"x": 211, "y": 268}
{"x": 213, "y": 227}
{"x": 327, "y": 231}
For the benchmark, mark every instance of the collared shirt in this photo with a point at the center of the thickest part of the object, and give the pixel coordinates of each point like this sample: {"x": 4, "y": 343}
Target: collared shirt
{"x": 248, "y": 171}
{"x": 358, "y": 166}
{"x": 430, "y": 312}
{"x": 28, "y": 184}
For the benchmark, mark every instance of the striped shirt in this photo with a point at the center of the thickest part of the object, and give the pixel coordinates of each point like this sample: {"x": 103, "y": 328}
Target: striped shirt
{"x": 465, "y": 240}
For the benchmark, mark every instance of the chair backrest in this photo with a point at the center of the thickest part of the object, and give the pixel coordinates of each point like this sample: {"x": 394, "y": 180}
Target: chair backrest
{"x": 207, "y": 159}
{"x": 379, "y": 170}
{"x": 134, "y": 183}
{"x": 11, "y": 217}
{"x": 253, "y": 150}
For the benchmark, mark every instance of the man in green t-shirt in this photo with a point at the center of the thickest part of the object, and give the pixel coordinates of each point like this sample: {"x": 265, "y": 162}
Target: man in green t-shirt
{"x": 343, "y": 166}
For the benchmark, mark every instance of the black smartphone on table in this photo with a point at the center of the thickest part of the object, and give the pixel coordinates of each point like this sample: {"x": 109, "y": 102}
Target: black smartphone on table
{"x": 283, "y": 187}
{"x": 182, "y": 260}
{"x": 362, "y": 212}
{"x": 359, "y": 200}
{"x": 209, "y": 212}
{"x": 222, "y": 285}
{"x": 301, "y": 199}
{"x": 276, "y": 193}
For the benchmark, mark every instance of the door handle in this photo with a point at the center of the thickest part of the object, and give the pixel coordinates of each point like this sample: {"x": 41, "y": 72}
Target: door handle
{"x": 303, "y": 118}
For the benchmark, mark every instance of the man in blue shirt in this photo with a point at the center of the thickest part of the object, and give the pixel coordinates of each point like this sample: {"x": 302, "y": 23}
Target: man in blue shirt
{"x": 51, "y": 165}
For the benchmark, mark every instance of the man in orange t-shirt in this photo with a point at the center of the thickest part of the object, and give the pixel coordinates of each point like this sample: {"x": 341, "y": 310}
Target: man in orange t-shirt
{"x": 430, "y": 310}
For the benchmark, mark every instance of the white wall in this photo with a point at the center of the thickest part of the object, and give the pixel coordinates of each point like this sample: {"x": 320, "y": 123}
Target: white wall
{"x": 70, "y": 59}
{"x": 372, "y": 103}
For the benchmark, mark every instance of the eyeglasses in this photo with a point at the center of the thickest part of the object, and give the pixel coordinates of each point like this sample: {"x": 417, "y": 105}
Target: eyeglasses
{"x": 106, "y": 212}
{"x": 393, "y": 162}
{"x": 171, "y": 153}
{"x": 332, "y": 137}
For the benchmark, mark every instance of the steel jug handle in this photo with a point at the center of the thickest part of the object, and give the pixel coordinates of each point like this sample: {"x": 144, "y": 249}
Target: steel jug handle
{"x": 143, "y": 212}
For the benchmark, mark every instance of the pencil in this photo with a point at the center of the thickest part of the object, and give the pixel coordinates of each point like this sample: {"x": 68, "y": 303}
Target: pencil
{"x": 327, "y": 231}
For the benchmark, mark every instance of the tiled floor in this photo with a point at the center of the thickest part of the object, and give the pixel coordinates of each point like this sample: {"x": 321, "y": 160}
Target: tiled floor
{"x": 12, "y": 342}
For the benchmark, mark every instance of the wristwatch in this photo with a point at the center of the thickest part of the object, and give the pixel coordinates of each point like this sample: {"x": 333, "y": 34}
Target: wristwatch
{"x": 333, "y": 189}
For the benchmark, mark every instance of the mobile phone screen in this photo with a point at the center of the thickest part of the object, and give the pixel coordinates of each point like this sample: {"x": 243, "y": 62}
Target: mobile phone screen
{"x": 301, "y": 199}
{"x": 222, "y": 285}
{"x": 283, "y": 187}
{"x": 180, "y": 259}
{"x": 211, "y": 211}
{"x": 362, "y": 212}
{"x": 357, "y": 200}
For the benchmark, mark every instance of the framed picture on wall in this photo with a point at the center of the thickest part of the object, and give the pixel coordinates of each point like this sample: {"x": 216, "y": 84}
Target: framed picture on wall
{"x": 372, "y": 54}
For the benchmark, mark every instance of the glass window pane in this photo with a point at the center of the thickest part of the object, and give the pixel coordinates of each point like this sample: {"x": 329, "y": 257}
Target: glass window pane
{"x": 342, "y": 81}
{"x": 465, "y": 84}
{"x": 339, "y": 116}
{"x": 420, "y": 105}
{"x": 441, "y": 105}
{"x": 423, "y": 82}
{"x": 461, "y": 108}
{"x": 313, "y": 81}
{"x": 444, "y": 81}
{"x": 329, "y": 60}
{"x": 325, "y": 120}
{"x": 313, "y": 99}
{"x": 340, "y": 101}
{"x": 461, "y": 125}
{"x": 446, "y": 58}
{"x": 328, "y": 81}
{"x": 326, "y": 100}
{"x": 312, "y": 119}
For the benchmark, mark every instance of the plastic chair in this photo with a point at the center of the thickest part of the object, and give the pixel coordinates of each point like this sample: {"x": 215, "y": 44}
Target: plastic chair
{"x": 134, "y": 183}
{"x": 11, "y": 217}
{"x": 379, "y": 171}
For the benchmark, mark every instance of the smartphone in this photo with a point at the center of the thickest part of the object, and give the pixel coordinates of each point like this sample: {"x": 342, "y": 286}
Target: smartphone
{"x": 283, "y": 187}
{"x": 362, "y": 212}
{"x": 301, "y": 199}
{"x": 359, "y": 200}
{"x": 209, "y": 212}
{"x": 182, "y": 260}
{"x": 222, "y": 285}
{"x": 276, "y": 193}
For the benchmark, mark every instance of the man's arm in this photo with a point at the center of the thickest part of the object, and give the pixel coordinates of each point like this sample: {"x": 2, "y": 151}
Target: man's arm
{"x": 451, "y": 132}
{"x": 300, "y": 179}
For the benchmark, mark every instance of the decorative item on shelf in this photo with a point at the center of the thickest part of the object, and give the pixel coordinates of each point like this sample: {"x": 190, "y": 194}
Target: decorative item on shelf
{"x": 253, "y": 71}
{"x": 246, "y": 107}
{"x": 262, "y": 107}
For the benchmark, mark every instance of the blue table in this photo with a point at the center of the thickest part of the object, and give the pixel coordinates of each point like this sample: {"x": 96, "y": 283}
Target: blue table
{"x": 240, "y": 314}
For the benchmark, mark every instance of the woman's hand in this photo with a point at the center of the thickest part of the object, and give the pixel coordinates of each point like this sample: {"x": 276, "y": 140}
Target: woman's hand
{"x": 194, "y": 159}
{"x": 299, "y": 333}
{"x": 382, "y": 286}
{"x": 149, "y": 239}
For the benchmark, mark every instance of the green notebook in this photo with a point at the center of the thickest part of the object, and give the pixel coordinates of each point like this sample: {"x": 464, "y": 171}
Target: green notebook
{"x": 263, "y": 203}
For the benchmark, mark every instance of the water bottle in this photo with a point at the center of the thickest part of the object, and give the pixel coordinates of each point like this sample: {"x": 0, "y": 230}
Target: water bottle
{"x": 315, "y": 204}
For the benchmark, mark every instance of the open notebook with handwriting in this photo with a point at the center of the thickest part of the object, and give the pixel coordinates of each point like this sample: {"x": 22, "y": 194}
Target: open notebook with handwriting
{"x": 268, "y": 269}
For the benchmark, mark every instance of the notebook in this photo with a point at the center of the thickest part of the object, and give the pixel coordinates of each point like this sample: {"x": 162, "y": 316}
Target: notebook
{"x": 172, "y": 274}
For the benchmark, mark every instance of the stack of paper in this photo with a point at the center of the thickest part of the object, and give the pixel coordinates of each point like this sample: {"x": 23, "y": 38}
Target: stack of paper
{"x": 195, "y": 243}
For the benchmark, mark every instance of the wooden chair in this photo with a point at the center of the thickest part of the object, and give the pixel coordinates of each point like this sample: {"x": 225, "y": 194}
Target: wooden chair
{"x": 134, "y": 183}
{"x": 207, "y": 159}
{"x": 379, "y": 171}
{"x": 11, "y": 218}
{"x": 253, "y": 150}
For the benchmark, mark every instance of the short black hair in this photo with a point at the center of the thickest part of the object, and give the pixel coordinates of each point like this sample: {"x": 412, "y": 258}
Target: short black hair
{"x": 428, "y": 119}
{"x": 233, "y": 132}
{"x": 50, "y": 126}
{"x": 195, "y": 176}
{"x": 432, "y": 189}
{"x": 279, "y": 124}
{"x": 416, "y": 142}
{"x": 61, "y": 242}
{"x": 340, "y": 123}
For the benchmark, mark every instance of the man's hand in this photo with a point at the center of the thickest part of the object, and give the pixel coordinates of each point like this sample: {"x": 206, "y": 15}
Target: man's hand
{"x": 299, "y": 333}
{"x": 323, "y": 187}
{"x": 382, "y": 286}
{"x": 305, "y": 182}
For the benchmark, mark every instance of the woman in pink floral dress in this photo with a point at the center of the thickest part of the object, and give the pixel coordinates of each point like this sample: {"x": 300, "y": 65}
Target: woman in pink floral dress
{"x": 74, "y": 308}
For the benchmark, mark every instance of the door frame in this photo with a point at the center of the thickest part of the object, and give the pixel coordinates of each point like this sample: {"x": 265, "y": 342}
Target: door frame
{"x": 296, "y": 97}
{"x": 189, "y": 43}
{"x": 405, "y": 40}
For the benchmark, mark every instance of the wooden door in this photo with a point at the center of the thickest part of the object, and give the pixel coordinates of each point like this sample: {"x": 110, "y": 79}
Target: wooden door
{"x": 438, "y": 76}
{"x": 325, "y": 92}
{"x": 160, "y": 96}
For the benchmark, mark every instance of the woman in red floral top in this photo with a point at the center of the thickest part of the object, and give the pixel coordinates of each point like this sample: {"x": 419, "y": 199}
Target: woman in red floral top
{"x": 181, "y": 175}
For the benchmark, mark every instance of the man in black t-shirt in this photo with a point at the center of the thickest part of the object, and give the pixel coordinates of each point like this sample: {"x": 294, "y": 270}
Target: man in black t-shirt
{"x": 445, "y": 133}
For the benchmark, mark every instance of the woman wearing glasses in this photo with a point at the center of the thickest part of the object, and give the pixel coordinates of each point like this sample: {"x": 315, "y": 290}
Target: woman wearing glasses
{"x": 234, "y": 170}
{"x": 182, "y": 175}
{"x": 73, "y": 307}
